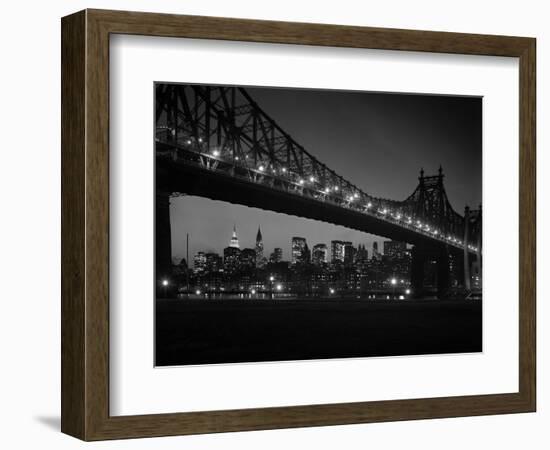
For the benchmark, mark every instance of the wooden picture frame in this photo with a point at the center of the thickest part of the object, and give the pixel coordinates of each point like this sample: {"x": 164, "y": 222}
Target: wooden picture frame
{"x": 85, "y": 224}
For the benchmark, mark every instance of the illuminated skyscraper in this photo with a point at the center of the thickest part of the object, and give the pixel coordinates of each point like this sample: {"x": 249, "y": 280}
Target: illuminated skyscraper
{"x": 362, "y": 253}
{"x": 394, "y": 249}
{"x": 337, "y": 251}
{"x": 320, "y": 254}
{"x": 375, "y": 253}
{"x": 234, "y": 239}
{"x": 247, "y": 258}
{"x": 260, "y": 261}
{"x": 199, "y": 263}
{"x": 300, "y": 252}
{"x": 214, "y": 262}
{"x": 231, "y": 258}
{"x": 276, "y": 256}
{"x": 349, "y": 253}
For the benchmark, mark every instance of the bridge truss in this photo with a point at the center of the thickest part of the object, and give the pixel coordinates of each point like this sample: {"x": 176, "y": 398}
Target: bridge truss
{"x": 223, "y": 129}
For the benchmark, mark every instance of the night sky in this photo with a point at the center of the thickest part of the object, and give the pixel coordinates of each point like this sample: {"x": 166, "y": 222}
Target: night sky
{"x": 377, "y": 141}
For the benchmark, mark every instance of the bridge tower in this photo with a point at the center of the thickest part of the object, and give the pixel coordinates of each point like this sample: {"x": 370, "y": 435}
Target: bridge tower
{"x": 472, "y": 237}
{"x": 467, "y": 274}
{"x": 421, "y": 256}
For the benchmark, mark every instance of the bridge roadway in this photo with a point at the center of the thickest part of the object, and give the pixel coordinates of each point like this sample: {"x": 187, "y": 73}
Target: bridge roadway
{"x": 192, "y": 179}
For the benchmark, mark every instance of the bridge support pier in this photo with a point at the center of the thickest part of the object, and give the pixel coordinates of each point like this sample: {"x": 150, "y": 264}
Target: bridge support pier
{"x": 163, "y": 244}
{"x": 419, "y": 257}
{"x": 422, "y": 255}
{"x": 443, "y": 274}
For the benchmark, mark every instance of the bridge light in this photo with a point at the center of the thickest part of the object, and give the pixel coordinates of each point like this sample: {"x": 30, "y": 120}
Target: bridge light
{"x": 384, "y": 211}
{"x": 301, "y": 181}
{"x": 261, "y": 168}
{"x": 327, "y": 190}
{"x": 312, "y": 179}
{"x": 217, "y": 153}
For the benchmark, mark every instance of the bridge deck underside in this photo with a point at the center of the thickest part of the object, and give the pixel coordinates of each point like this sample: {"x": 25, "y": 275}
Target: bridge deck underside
{"x": 193, "y": 180}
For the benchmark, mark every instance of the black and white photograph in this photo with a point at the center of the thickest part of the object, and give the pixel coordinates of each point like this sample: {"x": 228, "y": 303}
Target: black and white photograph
{"x": 299, "y": 224}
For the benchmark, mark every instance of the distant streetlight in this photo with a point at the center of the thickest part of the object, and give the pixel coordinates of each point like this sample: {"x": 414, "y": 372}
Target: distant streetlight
{"x": 271, "y": 278}
{"x": 165, "y": 284}
{"x": 279, "y": 287}
{"x": 332, "y": 291}
{"x": 408, "y": 291}
{"x": 198, "y": 292}
{"x": 253, "y": 291}
{"x": 393, "y": 283}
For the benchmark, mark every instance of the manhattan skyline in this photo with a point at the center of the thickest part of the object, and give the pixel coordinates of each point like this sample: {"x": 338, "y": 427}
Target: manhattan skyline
{"x": 197, "y": 215}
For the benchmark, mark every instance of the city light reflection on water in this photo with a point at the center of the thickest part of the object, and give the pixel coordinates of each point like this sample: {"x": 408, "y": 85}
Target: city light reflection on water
{"x": 287, "y": 296}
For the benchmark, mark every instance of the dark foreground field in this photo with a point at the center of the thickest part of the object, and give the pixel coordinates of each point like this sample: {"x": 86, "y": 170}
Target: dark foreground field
{"x": 217, "y": 331}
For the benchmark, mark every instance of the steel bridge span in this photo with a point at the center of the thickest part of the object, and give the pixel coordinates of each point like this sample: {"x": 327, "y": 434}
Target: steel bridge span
{"x": 216, "y": 142}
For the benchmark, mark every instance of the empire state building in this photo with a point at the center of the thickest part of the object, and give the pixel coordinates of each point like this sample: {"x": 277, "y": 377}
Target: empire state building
{"x": 234, "y": 239}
